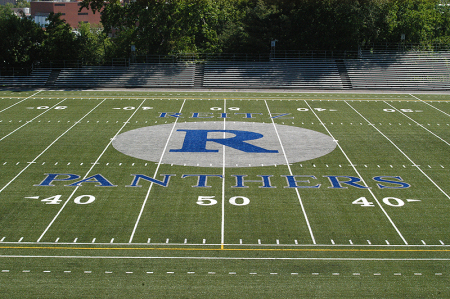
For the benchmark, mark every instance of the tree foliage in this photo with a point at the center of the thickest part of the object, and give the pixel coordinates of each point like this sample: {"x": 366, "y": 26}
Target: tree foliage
{"x": 233, "y": 26}
{"x": 158, "y": 27}
{"x": 21, "y": 41}
{"x": 60, "y": 42}
{"x": 174, "y": 26}
{"x": 93, "y": 43}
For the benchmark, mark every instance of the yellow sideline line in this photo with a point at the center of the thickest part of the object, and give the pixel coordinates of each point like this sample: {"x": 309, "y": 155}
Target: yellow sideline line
{"x": 228, "y": 249}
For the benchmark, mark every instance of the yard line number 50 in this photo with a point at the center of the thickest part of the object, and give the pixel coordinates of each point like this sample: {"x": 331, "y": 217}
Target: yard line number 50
{"x": 210, "y": 201}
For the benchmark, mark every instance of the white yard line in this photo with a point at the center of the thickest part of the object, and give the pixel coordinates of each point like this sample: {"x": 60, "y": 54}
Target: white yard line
{"x": 359, "y": 175}
{"x": 222, "y": 227}
{"x": 430, "y": 105}
{"x": 21, "y": 101}
{"x": 90, "y": 169}
{"x": 423, "y": 127}
{"x": 290, "y": 172}
{"x": 154, "y": 175}
{"x": 406, "y": 156}
{"x": 29, "y": 121}
{"x": 37, "y": 157}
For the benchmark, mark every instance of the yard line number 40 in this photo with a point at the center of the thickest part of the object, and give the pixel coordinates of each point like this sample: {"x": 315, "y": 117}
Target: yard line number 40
{"x": 79, "y": 200}
{"x": 390, "y": 201}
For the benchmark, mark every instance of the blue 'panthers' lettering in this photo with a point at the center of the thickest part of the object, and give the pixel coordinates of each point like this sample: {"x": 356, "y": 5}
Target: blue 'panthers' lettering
{"x": 265, "y": 181}
{"x": 97, "y": 179}
{"x": 137, "y": 177}
{"x": 382, "y": 179}
{"x": 51, "y": 177}
{"x": 202, "y": 179}
{"x": 240, "y": 181}
{"x": 292, "y": 182}
{"x": 336, "y": 183}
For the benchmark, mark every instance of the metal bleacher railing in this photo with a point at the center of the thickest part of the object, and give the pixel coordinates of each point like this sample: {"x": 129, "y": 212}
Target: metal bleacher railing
{"x": 134, "y": 75}
{"x": 36, "y": 77}
{"x": 425, "y": 70}
{"x": 374, "y": 67}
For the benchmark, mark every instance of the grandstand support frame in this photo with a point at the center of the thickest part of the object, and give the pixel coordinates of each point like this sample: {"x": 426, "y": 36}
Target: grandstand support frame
{"x": 364, "y": 69}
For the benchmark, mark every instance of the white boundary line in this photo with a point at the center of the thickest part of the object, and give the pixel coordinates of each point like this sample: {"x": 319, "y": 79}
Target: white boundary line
{"x": 90, "y": 169}
{"x": 290, "y": 172}
{"x": 430, "y": 105}
{"x": 28, "y": 121}
{"x": 234, "y": 246}
{"x": 20, "y": 101}
{"x": 359, "y": 175}
{"x": 37, "y": 157}
{"x": 223, "y": 258}
{"x": 406, "y": 156}
{"x": 417, "y": 123}
{"x": 156, "y": 172}
{"x": 222, "y": 227}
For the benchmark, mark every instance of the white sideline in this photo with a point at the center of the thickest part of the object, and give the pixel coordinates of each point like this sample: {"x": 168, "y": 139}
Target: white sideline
{"x": 29, "y": 121}
{"x": 407, "y": 157}
{"x": 20, "y": 101}
{"x": 359, "y": 175}
{"x": 156, "y": 172}
{"x": 90, "y": 169}
{"x": 37, "y": 157}
{"x": 221, "y": 258}
{"x": 290, "y": 172}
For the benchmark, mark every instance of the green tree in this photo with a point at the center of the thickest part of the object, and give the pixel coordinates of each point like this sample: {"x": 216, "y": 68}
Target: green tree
{"x": 262, "y": 24}
{"x": 93, "y": 43}
{"x": 326, "y": 25}
{"x": 22, "y": 4}
{"x": 416, "y": 19}
{"x": 6, "y": 10}
{"x": 60, "y": 41}
{"x": 21, "y": 41}
{"x": 161, "y": 27}
{"x": 177, "y": 26}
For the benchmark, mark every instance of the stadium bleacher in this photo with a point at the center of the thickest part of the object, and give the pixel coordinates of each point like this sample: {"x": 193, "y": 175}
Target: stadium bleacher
{"x": 407, "y": 70}
{"x": 136, "y": 75}
{"x": 298, "y": 73}
{"x": 38, "y": 77}
{"x": 412, "y": 70}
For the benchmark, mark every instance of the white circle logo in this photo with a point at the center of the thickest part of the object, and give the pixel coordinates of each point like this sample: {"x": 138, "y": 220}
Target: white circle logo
{"x": 219, "y": 144}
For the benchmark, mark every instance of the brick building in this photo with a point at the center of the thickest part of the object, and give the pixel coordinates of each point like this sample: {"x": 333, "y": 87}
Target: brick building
{"x": 69, "y": 10}
{"x": 4, "y": 2}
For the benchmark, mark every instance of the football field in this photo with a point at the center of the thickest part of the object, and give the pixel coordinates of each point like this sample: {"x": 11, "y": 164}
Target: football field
{"x": 224, "y": 194}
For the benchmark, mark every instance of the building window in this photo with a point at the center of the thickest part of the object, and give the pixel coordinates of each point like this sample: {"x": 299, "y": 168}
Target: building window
{"x": 60, "y": 4}
{"x": 82, "y": 13}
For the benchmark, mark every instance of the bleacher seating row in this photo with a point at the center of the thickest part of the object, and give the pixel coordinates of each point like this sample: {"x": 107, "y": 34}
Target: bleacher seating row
{"x": 390, "y": 70}
{"x": 410, "y": 70}
{"x": 38, "y": 77}
{"x": 299, "y": 73}
{"x": 137, "y": 75}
